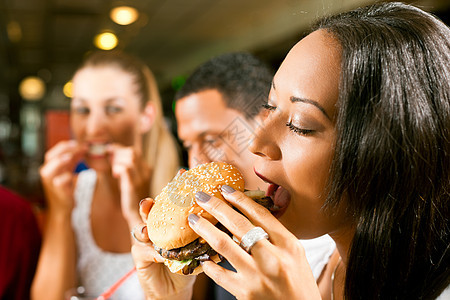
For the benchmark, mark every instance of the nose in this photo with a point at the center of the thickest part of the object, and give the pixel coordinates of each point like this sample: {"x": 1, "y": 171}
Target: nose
{"x": 96, "y": 123}
{"x": 265, "y": 143}
{"x": 197, "y": 156}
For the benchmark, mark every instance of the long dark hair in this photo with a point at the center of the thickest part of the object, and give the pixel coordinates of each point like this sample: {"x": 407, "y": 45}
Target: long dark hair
{"x": 392, "y": 158}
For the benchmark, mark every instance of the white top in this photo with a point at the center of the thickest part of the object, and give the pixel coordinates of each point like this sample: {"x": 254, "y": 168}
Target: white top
{"x": 445, "y": 294}
{"x": 319, "y": 250}
{"x": 97, "y": 269}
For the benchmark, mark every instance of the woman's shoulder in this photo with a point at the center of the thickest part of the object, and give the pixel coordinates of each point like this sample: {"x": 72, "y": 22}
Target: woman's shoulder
{"x": 318, "y": 252}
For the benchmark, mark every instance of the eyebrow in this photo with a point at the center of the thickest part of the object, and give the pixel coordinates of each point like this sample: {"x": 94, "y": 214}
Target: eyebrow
{"x": 295, "y": 99}
{"x": 309, "y": 101}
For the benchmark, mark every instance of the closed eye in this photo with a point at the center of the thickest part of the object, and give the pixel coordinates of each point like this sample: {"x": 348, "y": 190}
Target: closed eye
{"x": 297, "y": 130}
{"x": 269, "y": 107}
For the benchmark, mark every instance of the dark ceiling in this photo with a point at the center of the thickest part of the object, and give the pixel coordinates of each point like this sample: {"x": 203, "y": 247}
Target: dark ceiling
{"x": 48, "y": 38}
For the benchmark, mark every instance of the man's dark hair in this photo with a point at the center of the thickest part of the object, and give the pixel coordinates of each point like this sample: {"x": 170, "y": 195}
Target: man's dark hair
{"x": 242, "y": 80}
{"x": 391, "y": 165}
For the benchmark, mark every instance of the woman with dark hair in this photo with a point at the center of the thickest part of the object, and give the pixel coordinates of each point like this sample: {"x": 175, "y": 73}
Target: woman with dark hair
{"x": 356, "y": 144}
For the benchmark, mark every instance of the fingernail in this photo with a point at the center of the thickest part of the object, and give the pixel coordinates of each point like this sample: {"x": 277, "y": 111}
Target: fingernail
{"x": 227, "y": 189}
{"x": 192, "y": 219}
{"x": 202, "y": 196}
{"x": 142, "y": 200}
{"x": 144, "y": 228}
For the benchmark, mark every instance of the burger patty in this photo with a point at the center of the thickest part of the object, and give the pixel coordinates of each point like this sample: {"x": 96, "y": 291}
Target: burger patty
{"x": 190, "y": 251}
{"x": 199, "y": 249}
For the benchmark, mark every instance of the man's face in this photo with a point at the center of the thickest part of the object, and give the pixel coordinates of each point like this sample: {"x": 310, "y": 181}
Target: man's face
{"x": 211, "y": 131}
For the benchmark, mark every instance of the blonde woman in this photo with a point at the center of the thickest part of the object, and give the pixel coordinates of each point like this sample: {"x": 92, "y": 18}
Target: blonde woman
{"x": 119, "y": 131}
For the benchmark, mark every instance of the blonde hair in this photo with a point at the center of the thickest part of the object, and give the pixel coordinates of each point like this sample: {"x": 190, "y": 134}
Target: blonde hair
{"x": 161, "y": 150}
{"x": 159, "y": 146}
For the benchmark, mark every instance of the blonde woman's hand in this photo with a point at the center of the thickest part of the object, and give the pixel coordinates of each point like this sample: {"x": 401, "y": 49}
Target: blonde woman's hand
{"x": 274, "y": 269}
{"x": 130, "y": 168}
{"x": 57, "y": 174}
{"x": 155, "y": 278}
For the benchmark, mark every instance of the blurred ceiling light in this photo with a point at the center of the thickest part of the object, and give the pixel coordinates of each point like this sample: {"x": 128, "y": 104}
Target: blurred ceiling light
{"x": 14, "y": 31}
{"x": 124, "y": 15}
{"x": 67, "y": 89}
{"x": 32, "y": 88}
{"x": 106, "y": 41}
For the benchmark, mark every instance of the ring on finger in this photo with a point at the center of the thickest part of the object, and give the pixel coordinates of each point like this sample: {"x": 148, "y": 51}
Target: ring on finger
{"x": 253, "y": 236}
{"x": 136, "y": 228}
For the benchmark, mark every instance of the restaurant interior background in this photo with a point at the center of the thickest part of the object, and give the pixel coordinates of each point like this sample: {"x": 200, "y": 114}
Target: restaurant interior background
{"x": 43, "y": 41}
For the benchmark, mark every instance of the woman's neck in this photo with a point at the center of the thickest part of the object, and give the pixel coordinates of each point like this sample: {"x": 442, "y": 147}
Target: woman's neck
{"x": 338, "y": 262}
{"x": 109, "y": 185}
{"x": 343, "y": 238}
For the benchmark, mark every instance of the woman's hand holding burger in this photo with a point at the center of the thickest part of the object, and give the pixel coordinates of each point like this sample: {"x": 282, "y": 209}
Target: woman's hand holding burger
{"x": 273, "y": 269}
{"x": 155, "y": 278}
{"x": 202, "y": 213}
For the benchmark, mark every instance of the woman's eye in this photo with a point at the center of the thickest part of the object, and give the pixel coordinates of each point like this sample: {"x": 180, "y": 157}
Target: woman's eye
{"x": 211, "y": 141}
{"x": 81, "y": 110}
{"x": 113, "y": 109}
{"x": 269, "y": 107}
{"x": 297, "y": 130}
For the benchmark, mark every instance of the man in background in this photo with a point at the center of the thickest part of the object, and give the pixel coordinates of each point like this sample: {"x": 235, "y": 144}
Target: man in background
{"x": 217, "y": 111}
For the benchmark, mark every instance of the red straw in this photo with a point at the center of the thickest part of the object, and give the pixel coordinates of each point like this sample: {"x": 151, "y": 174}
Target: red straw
{"x": 115, "y": 286}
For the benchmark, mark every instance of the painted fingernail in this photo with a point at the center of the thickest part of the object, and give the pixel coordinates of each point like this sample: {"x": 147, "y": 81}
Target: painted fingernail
{"x": 142, "y": 200}
{"x": 227, "y": 189}
{"x": 192, "y": 219}
{"x": 202, "y": 196}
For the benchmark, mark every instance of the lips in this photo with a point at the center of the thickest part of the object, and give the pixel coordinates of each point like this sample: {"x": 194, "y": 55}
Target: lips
{"x": 280, "y": 196}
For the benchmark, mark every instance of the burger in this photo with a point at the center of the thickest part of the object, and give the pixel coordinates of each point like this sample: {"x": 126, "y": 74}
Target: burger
{"x": 167, "y": 223}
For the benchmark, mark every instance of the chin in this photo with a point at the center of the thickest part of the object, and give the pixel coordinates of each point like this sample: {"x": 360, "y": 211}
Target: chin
{"x": 99, "y": 165}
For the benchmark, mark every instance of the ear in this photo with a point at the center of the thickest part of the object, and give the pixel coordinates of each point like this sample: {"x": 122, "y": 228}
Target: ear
{"x": 147, "y": 117}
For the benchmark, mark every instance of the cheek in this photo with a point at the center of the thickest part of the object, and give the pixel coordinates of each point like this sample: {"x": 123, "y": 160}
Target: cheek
{"x": 77, "y": 126}
{"x": 237, "y": 141}
{"x": 124, "y": 131}
{"x": 308, "y": 172}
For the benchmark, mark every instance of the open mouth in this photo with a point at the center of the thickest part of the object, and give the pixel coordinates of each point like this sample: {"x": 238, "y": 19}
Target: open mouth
{"x": 97, "y": 149}
{"x": 280, "y": 196}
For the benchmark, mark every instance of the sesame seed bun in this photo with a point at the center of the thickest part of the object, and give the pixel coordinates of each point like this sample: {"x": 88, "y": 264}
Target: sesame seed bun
{"x": 167, "y": 223}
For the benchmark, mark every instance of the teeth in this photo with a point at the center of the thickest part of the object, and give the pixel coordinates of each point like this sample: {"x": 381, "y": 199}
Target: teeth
{"x": 97, "y": 149}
